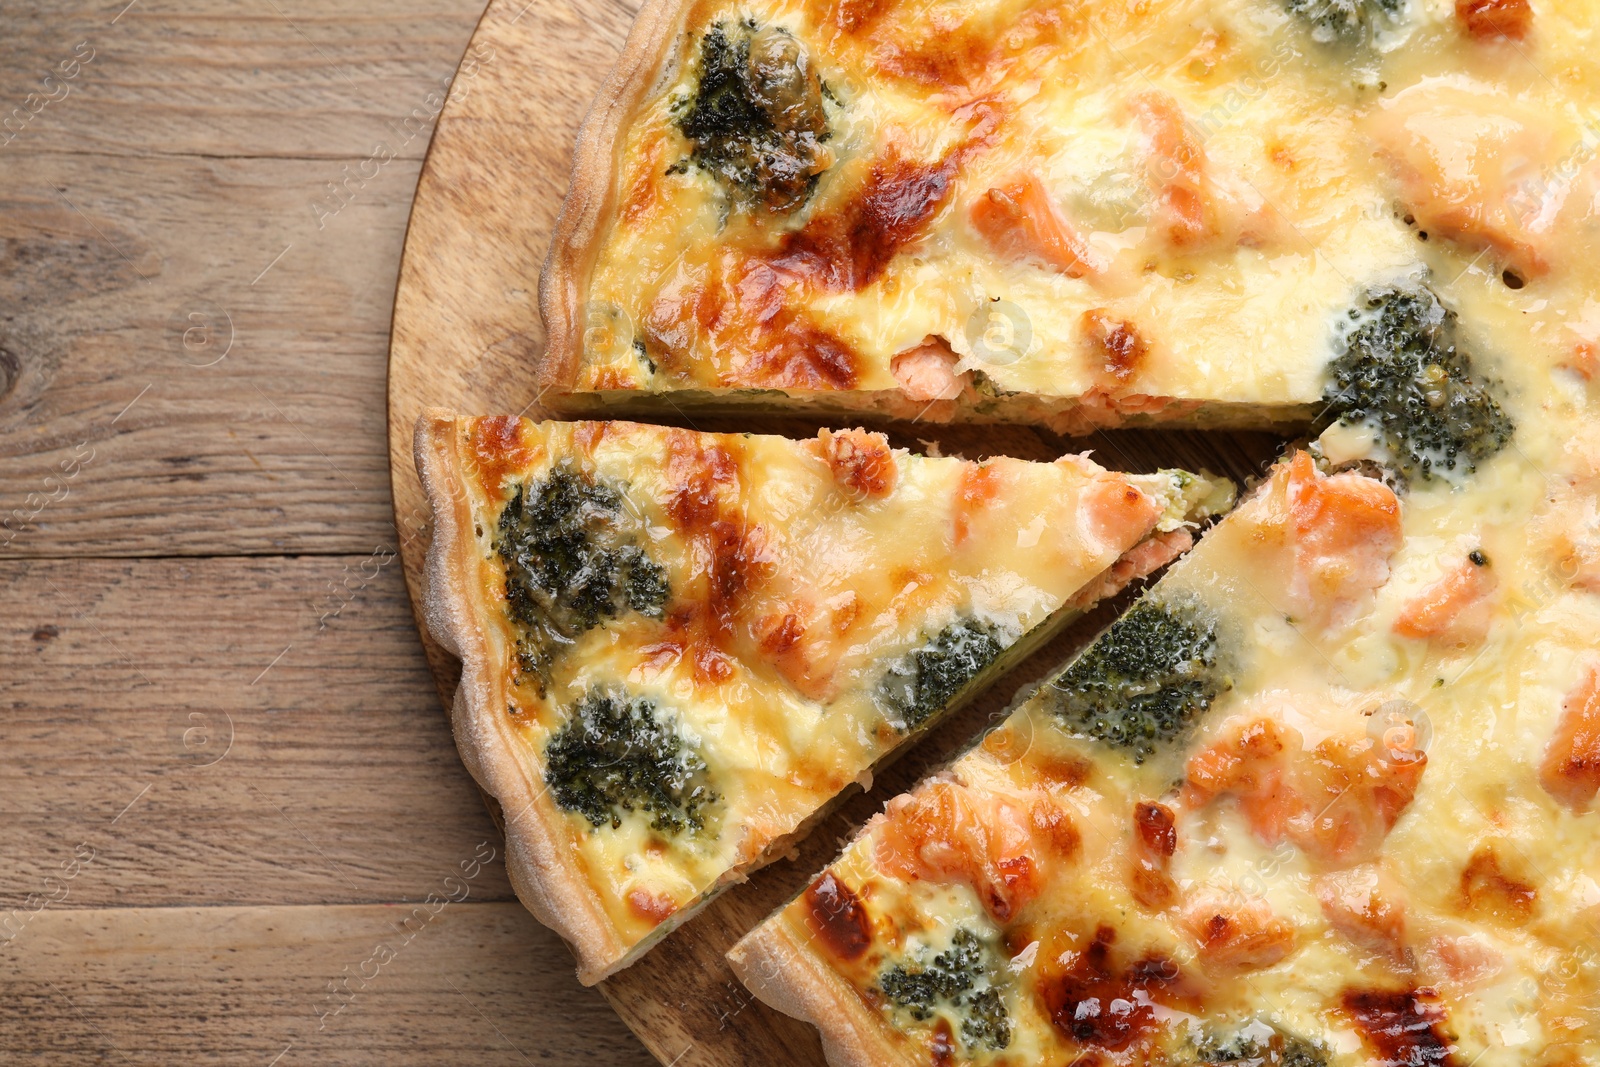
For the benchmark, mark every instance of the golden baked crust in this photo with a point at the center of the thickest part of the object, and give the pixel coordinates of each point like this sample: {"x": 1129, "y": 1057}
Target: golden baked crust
{"x": 787, "y": 975}
{"x": 552, "y": 889}
{"x": 591, "y": 197}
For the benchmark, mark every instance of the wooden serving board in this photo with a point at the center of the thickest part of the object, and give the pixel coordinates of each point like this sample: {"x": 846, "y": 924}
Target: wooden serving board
{"x": 467, "y": 336}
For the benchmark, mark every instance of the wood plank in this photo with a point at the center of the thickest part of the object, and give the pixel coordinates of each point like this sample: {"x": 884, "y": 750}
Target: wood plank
{"x": 293, "y": 78}
{"x": 224, "y": 732}
{"x": 248, "y": 341}
{"x": 456, "y": 981}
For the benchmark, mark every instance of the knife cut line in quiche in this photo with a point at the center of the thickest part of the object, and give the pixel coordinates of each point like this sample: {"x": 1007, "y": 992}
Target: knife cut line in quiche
{"x": 679, "y": 648}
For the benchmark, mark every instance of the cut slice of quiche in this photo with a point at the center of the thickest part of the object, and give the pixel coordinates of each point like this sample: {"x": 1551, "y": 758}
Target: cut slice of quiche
{"x": 679, "y": 647}
{"x": 1324, "y": 797}
{"x": 1065, "y": 214}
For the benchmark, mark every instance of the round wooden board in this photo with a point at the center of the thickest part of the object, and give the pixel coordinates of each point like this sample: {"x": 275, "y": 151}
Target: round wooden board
{"x": 467, "y": 337}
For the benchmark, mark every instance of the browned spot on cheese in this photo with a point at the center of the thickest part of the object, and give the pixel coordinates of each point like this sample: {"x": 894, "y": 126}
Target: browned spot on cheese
{"x": 780, "y": 633}
{"x": 846, "y": 609}
{"x": 1064, "y": 771}
{"x": 786, "y": 346}
{"x": 1405, "y": 1028}
{"x": 940, "y": 53}
{"x": 689, "y": 638}
{"x": 1152, "y": 887}
{"x": 943, "y": 1045}
{"x": 611, "y": 376}
{"x": 703, "y": 480}
{"x": 711, "y": 667}
{"x": 498, "y": 449}
{"x": 1493, "y": 19}
{"x": 1056, "y": 829}
{"x": 848, "y": 248}
{"x": 738, "y": 563}
{"x": 649, "y": 906}
{"x": 838, "y": 917}
{"x": 739, "y": 307}
{"x": 1095, "y": 1002}
{"x": 799, "y": 354}
{"x": 1119, "y": 349}
{"x": 587, "y": 435}
{"x": 1487, "y": 890}
{"x": 1157, "y": 827}
{"x": 971, "y": 56}
{"x": 725, "y": 552}
{"x": 1155, "y": 841}
{"x": 644, "y": 193}
{"x": 848, "y": 17}
{"x": 862, "y": 463}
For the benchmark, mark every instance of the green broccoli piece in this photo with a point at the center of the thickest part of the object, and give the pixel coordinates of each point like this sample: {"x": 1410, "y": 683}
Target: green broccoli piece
{"x": 1343, "y": 20}
{"x": 570, "y": 564}
{"x": 1276, "y": 1049}
{"x": 924, "y": 681}
{"x": 618, "y": 755}
{"x": 1298, "y": 1052}
{"x": 756, "y": 119}
{"x": 1144, "y": 682}
{"x": 986, "y": 1024}
{"x": 1403, "y": 376}
{"x": 950, "y": 981}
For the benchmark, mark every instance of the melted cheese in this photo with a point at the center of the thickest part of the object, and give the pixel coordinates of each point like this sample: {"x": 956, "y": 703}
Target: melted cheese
{"x": 799, "y": 573}
{"x": 1474, "y": 911}
{"x": 1282, "y": 150}
{"x": 1493, "y": 876}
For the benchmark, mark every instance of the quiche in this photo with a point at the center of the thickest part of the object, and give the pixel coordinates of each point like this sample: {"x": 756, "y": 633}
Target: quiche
{"x": 678, "y": 648}
{"x": 1067, "y": 213}
{"x": 1326, "y": 794}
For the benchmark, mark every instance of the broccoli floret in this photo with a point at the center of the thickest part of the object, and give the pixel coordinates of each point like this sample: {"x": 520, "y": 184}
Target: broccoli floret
{"x": 924, "y": 680}
{"x": 1298, "y": 1052}
{"x": 1403, "y": 376}
{"x": 1275, "y": 1049}
{"x": 948, "y": 981}
{"x": 756, "y": 119}
{"x": 1144, "y": 681}
{"x": 986, "y": 1024}
{"x": 570, "y": 563}
{"x": 1343, "y": 20}
{"x": 616, "y": 755}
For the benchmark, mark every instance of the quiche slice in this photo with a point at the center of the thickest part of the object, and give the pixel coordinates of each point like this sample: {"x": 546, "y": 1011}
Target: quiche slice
{"x": 1324, "y": 797}
{"x": 1069, "y": 213}
{"x": 678, "y": 648}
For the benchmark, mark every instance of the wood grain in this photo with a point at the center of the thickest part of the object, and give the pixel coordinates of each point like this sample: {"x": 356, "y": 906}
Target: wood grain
{"x": 287, "y": 79}
{"x": 278, "y": 728}
{"x": 467, "y": 337}
{"x": 457, "y": 982}
{"x": 182, "y": 183}
{"x": 182, "y": 173}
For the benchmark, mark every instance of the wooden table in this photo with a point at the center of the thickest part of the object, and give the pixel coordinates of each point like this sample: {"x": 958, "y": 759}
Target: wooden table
{"x": 228, "y": 789}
